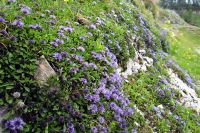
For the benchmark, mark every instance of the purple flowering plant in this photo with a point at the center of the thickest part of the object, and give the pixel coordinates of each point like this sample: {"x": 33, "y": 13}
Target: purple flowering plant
{"x": 86, "y": 94}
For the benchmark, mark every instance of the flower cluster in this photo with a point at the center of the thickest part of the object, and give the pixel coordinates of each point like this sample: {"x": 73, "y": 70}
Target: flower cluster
{"x": 63, "y": 29}
{"x": 90, "y": 86}
{"x": 159, "y": 111}
{"x": 14, "y": 124}
{"x": 25, "y": 9}
{"x": 35, "y": 26}
{"x": 108, "y": 90}
{"x": 56, "y": 42}
{"x": 166, "y": 93}
{"x": 102, "y": 56}
{"x": 18, "y": 23}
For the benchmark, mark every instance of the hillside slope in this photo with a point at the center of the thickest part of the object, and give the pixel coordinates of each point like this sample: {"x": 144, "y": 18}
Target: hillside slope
{"x": 90, "y": 66}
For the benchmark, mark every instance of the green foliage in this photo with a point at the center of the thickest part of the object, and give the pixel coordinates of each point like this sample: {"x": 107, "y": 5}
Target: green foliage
{"x": 122, "y": 31}
{"x": 142, "y": 92}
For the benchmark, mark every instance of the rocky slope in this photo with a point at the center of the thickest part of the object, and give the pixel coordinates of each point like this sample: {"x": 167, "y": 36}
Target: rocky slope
{"x": 90, "y": 66}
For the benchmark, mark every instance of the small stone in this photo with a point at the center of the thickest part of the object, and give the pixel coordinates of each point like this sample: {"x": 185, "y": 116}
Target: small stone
{"x": 83, "y": 20}
{"x": 16, "y": 94}
{"x": 20, "y": 104}
{"x": 44, "y": 71}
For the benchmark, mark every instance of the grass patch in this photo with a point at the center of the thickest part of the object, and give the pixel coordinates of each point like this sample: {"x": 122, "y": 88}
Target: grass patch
{"x": 185, "y": 50}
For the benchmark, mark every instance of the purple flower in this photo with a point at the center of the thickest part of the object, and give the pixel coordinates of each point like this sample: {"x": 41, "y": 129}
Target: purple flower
{"x": 99, "y": 21}
{"x": 122, "y": 124}
{"x": 81, "y": 49}
{"x": 70, "y": 128}
{"x": 130, "y": 111}
{"x": 89, "y": 33}
{"x": 18, "y": 23}
{"x": 93, "y": 108}
{"x": 94, "y": 129}
{"x": 52, "y": 22}
{"x": 68, "y": 107}
{"x": 177, "y": 117}
{"x": 83, "y": 80}
{"x": 156, "y": 109}
{"x": 107, "y": 94}
{"x": 13, "y": 38}
{"x": 115, "y": 96}
{"x": 117, "y": 118}
{"x": 3, "y": 32}
{"x": 78, "y": 58}
{"x": 2, "y": 20}
{"x": 65, "y": 54}
{"x": 96, "y": 98}
{"x": 51, "y": 118}
{"x": 88, "y": 97}
{"x": 133, "y": 131}
{"x": 92, "y": 26}
{"x": 135, "y": 28}
{"x": 73, "y": 70}
{"x": 118, "y": 46}
{"x": 101, "y": 108}
{"x": 161, "y": 93}
{"x": 43, "y": 42}
{"x": 113, "y": 105}
{"x": 69, "y": 29}
{"x": 42, "y": 15}
{"x": 10, "y": 125}
{"x": 11, "y": 1}
{"x": 101, "y": 119}
{"x": 82, "y": 38}
{"x": 35, "y": 26}
{"x": 61, "y": 119}
{"x": 188, "y": 79}
{"x": 57, "y": 56}
{"x": 25, "y": 10}
{"x": 97, "y": 56}
{"x": 118, "y": 110}
{"x": 53, "y": 43}
{"x": 31, "y": 41}
{"x": 56, "y": 42}
{"x": 93, "y": 65}
{"x": 14, "y": 124}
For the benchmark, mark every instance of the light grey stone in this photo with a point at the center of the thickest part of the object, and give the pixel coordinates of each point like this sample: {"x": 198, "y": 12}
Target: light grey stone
{"x": 43, "y": 71}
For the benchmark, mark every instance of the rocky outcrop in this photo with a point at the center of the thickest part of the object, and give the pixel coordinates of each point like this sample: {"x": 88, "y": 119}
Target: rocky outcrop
{"x": 189, "y": 97}
{"x": 139, "y": 63}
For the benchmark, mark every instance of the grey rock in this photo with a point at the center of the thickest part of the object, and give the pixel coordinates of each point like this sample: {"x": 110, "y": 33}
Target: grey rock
{"x": 43, "y": 71}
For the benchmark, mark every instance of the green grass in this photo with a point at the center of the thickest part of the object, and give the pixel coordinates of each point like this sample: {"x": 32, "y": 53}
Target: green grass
{"x": 185, "y": 50}
{"x": 191, "y": 18}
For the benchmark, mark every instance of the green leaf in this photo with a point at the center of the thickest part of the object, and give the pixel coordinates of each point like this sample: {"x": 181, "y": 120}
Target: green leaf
{"x": 9, "y": 87}
{"x": 47, "y": 128}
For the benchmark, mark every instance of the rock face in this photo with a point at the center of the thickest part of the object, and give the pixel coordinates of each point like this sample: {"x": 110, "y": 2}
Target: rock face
{"x": 134, "y": 66}
{"x": 44, "y": 71}
{"x": 189, "y": 97}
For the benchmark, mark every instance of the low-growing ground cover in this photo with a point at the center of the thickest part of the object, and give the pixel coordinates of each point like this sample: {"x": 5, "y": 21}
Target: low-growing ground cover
{"x": 85, "y": 42}
{"x": 157, "y": 103}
